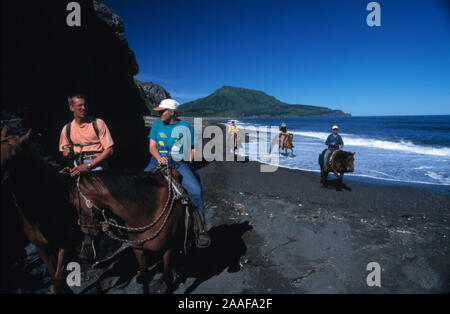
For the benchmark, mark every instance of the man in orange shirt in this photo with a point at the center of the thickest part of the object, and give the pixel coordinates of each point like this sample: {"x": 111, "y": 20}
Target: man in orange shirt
{"x": 85, "y": 140}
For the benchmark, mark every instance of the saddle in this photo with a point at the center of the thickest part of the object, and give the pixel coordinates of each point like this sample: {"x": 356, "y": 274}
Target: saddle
{"x": 330, "y": 158}
{"x": 202, "y": 239}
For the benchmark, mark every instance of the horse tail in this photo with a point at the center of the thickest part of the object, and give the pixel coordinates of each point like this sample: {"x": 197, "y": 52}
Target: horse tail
{"x": 321, "y": 156}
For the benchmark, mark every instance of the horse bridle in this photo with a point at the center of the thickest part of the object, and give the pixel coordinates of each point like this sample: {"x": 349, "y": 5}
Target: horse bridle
{"x": 175, "y": 193}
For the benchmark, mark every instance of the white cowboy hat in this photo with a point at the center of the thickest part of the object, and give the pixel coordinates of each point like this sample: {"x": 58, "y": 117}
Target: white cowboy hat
{"x": 167, "y": 104}
{"x": 283, "y": 124}
{"x": 335, "y": 127}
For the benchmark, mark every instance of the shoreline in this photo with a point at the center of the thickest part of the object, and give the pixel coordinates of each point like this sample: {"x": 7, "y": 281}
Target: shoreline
{"x": 440, "y": 188}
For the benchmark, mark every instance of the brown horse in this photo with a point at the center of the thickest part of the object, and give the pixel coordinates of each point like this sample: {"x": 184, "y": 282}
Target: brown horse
{"x": 41, "y": 197}
{"x": 284, "y": 142}
{"x": 141, "y": 209}
{"x": 341, "y": 162}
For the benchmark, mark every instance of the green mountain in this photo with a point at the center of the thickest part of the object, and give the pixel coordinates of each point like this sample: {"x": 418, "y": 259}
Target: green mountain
{"x": 235, "y": 102}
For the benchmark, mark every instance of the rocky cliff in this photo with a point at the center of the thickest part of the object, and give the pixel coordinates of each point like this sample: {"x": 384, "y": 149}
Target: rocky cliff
{"x": 43, "y": 60}
{"x": 151, "y": 93}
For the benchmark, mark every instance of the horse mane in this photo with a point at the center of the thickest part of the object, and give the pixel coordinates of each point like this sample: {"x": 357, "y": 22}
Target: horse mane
{"x": 341, "y": 154}
{"x": 125, "y": 186}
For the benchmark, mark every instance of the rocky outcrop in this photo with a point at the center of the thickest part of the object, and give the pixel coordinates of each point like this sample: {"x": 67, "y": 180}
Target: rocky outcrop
{"x": 152, "y": 93}
{"x": 44, "y": 60}
{"x": 116, "y": 24}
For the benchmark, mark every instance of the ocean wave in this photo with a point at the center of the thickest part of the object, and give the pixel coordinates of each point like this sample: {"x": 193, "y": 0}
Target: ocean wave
{"x": 351, "y": 140}
{"x": 445, "y": 182}
{"x": 403, "y": 146}
{"x": 437, "y": 176}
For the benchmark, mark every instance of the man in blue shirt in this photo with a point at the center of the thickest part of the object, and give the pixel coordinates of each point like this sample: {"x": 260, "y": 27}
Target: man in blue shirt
{"x": 334, "y": 142}
{"x": 172, "y": 143}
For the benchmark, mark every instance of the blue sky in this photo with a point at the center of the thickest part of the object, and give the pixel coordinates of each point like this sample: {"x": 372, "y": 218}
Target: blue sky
{"x": 314, "y": 52}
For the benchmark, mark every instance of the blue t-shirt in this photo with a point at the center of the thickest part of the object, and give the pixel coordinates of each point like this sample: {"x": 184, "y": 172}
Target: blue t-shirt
{"x": 337, "y": 141}
{"x": 171, "y": 138}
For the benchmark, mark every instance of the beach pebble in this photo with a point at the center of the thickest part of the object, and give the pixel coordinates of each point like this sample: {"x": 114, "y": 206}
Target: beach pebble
{"x": 238, "y": 206}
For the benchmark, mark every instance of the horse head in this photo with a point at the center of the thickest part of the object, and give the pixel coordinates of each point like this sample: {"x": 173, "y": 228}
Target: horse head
{"x": 349, "y": 160}
{"x": 11, "y": 146}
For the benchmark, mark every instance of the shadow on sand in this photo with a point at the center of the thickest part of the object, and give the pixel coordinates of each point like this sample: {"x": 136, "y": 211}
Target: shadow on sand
{"x": 225, "y": 252}
{"x": 336, "y": 184}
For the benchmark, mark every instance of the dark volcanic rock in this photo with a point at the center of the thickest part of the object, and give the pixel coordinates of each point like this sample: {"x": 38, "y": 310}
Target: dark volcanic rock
{"x": 44, "y": 60}
{"x": 116, "y": 24}
{"x": 152, "y": 93}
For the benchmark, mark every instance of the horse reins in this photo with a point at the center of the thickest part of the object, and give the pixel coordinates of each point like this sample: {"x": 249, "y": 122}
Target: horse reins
{"x": 107, "y": 223}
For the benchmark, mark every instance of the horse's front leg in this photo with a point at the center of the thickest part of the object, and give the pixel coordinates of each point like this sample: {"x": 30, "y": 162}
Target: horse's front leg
{"x": 341, "y": 179}
{"x": 142, "y": 277}
{"x": 49, "y": 262}
{"x": 60, "y": 283}
{"x": 336, "y": 174}
{"x": 338, "y": 179}
{"x": 324, "y": 175}
{"x": 168, "y": 275}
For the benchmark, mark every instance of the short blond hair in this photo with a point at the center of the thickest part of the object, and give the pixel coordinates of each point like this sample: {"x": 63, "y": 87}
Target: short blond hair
{"x": 75, "y": 95}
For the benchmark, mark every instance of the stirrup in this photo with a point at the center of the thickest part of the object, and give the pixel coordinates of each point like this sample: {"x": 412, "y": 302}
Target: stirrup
{"x": 203, "y": 240}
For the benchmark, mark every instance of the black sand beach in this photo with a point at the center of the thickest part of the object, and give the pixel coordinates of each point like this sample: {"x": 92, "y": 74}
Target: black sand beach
{"x": 309, "y": 239}
{"x": 282, "y": 232}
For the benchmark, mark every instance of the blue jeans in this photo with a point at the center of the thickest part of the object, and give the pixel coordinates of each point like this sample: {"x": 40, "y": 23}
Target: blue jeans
{"x": 326, "y": 156}
{"x": 189, "y": 182}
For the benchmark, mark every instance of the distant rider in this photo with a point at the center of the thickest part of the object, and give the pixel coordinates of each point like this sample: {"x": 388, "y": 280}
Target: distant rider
{"x": 233, "y": 131}
{"x": 283, "y": 129}
{"x": 334, "y": 142}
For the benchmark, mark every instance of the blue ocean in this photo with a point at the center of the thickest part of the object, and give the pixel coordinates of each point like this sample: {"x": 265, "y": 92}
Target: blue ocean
{"x": 413, "y": 149}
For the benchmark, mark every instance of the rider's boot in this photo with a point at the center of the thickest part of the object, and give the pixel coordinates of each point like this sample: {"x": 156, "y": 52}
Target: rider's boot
{"x": 202, "y": 238}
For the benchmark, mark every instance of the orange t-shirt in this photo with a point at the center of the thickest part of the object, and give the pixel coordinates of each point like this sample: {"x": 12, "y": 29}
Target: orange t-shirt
{"x": 85, "y": 134}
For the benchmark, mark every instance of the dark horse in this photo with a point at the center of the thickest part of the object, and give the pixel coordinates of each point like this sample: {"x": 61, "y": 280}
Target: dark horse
{"x": 140, "y": 209}
{"x": 41, "y": 197}
{"x": 341, "y": 162}
{"x": 144, "y": 210}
